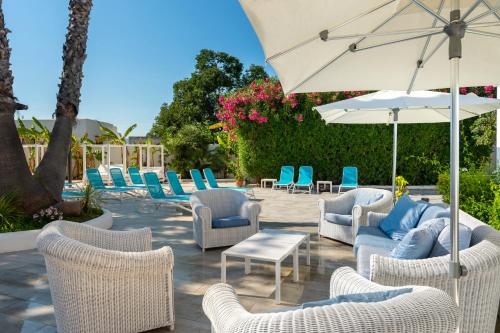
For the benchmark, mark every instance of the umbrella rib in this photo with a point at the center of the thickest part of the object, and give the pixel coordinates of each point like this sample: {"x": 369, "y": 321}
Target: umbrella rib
{"x": 483, "y": 25}
{"x": 483, "y": 33}
{"x": 311, "y": 39}
{"x": 387, "y": 20}
{"x": 424, "y": 50}
{"x": 388, "y": 33}
{"x": 471, "y": 9}
{"x": 430, "y": 11}
{"x": 486, "y": 13}
{"x": 398, "y": 41}
{"x": 490, "y": 7}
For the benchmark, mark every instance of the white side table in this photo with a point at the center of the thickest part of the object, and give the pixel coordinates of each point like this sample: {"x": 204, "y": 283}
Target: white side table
{"x": 264, "y": 181}
{"x": 272, "y": 246}
{"x": 324, "y": 182}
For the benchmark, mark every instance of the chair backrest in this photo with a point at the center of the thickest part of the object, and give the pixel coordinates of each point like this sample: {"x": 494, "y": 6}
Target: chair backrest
{"x": 287, "y": 173}
{"x": 305, "y": 174}
{"x": 350, "y": 176}
{"x": 95, "y": 179}
{"x": 210, "y": 177}
{"x": 117, "y": 177}
{"x": 135, "y": 176}
{"x": 198, "y": 179}
{"x": 222, "y": 202}
{"x": 175, "y": 184}
{"x": 154, "y": 186}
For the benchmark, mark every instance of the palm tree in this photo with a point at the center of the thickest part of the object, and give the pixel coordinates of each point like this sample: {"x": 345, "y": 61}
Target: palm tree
{"x": 113, "y": 137}
{"x": 45, "y": 187}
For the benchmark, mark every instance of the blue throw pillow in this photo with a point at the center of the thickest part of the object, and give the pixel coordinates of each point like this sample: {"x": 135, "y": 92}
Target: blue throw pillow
{"x": 339, "y": 219}
{"x": 377, "y": 296}
{"x": 416, "y": 244}
{"x": 435, "y": 226}
{"x": 402, "y": 218}
{"x": 443, "y": 244}
{"x": 433, "y": 212}
{"x": 365, "y": 198}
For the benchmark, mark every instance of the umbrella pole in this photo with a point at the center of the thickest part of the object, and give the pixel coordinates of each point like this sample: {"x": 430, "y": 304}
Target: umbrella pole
{"x": 394, "y": 150}
{"x": 455, "y": 32}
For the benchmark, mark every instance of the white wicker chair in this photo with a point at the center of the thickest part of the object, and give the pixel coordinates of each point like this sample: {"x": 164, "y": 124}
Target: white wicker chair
{"x": 479, "y": 287}
{"x": 218, "y": 203}
{"x": 423, "y": 310}
{"x": 107, "y": 281}
{"x": 345, "y": 204}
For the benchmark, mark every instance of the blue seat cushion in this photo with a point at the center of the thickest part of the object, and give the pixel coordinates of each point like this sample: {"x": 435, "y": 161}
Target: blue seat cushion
{"x": 365, "y": 198}
{"x": 363, "y": 258}
{"x": 443, "y": 243}
{"x": 416, "y": 244}
{"x": 376, "y": 296}
{"x": 433, "y": 212}
{"x": 339, "y": 219}
{"x": 403, "y": 217}
{"x": 230, "y": 222}
{"x": 373, "y": 237}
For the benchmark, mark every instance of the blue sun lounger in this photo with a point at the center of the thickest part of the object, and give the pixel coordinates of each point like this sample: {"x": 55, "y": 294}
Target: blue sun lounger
{"x": 135, "y": 176}
{"x": 349, "y": 177}
{"x": 119, "y": 180}
{"x": 286, "y": 178}
{"x": 158, "y": 196}
{"x": 212, "y": 182}
{"x": 198, "y": 179}
{"x": 95, "y": 180}
{"x": 305, "y": 179}
{"x": 174, "y": 183}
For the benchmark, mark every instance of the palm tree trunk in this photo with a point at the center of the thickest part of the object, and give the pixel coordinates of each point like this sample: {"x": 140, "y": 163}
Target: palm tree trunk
{"x": 15, "y": 175}
{"x": 52, "y": 169}
{"x": 45, "y": 188}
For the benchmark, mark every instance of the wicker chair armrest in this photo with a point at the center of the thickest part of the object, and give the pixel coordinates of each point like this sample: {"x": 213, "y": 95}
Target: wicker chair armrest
{"x": 222, "y": 307}
{"x": 202, "y": 216}
{"x": 397, "y": 272}
{"x": 137, "y": 240}
{"x": 250, "y": 210}
{"x": 339, "y": 205}
{"x": 346, "y": 280}
{"x": 360, "y": 212}
{"x": 373, "y": 219}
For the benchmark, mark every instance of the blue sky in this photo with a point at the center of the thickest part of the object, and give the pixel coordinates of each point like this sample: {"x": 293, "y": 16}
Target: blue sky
{"x": 136, "y": 51}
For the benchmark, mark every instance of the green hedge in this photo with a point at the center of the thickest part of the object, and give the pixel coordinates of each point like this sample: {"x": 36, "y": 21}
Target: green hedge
{"x": 479, "y": 195}
{"x": 277, "y": 136}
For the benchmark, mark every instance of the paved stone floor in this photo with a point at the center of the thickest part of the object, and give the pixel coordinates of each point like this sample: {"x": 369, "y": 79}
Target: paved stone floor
{"x": 25, "y": 302}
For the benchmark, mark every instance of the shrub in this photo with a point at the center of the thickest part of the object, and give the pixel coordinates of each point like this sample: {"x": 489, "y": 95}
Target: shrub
{"x": 479, "y": 195}
{"x": 273, "y": 130}
{"x": 10, "y": 213}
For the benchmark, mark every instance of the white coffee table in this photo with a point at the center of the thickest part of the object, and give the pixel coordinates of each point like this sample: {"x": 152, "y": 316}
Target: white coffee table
{"x": 270, "y": 245}
{"x": 264, "y": 181}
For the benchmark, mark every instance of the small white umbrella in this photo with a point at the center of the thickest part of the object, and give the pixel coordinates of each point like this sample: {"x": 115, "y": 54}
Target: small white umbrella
{"x": 390, "y": 106}
{"x": 331, "y": 45}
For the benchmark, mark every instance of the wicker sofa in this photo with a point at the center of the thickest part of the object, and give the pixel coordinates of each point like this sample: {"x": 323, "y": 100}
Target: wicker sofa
{"x": 348, "y": 204}
{"x": 209, "y": 206}
{"x": 423, "y": 310}
{"x": 479, "y": 287}
{"x": 107, "y": 281}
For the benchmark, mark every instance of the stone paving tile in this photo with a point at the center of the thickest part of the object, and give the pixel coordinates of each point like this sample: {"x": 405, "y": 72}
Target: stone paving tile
{"x": 26, "y": 306}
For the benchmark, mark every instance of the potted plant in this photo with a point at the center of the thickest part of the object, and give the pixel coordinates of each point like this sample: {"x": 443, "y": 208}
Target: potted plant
{"x": 240, "y": 179}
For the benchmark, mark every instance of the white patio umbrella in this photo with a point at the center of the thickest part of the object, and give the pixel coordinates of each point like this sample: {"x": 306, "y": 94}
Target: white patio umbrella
{"x": 392, "y": 106}
{"x": 331, "y": 45}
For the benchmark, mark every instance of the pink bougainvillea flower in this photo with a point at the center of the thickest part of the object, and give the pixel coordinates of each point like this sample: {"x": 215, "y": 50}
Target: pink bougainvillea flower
{"x": 463, "y": 90}
{"x": 300, "y": 118}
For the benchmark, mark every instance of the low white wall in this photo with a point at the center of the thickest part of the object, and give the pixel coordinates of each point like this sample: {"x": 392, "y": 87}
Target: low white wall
{"x": 26, "y": 240}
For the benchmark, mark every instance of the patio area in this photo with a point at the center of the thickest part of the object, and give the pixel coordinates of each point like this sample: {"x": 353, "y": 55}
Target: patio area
{"x": 26, "y": 306}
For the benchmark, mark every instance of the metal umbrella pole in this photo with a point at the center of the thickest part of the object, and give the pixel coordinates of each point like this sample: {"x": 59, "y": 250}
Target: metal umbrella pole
{"x": 455, "y": 30}
{"x": 394, "y": 150}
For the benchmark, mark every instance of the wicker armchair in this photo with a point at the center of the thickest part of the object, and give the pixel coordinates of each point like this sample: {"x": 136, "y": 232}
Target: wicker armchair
{"x": 107, "y": 281}
{"x": 346, "y": 205}
{"x": 479, "y": 287}
{"x": 214, "y": 204}
{"x": 423, "y": 310}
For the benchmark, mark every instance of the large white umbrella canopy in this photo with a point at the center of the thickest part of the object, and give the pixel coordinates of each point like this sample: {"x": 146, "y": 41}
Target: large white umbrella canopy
{"x": 331, "y": 45}
{"x": 392, "y": 106}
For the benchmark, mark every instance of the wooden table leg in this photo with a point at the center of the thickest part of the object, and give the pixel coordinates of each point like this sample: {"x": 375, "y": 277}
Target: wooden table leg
{"x": 223, "y": 268}
{"x": 278, "y": 282}
{"x": 296, "y": 265}
{"x": 247, "y": 266}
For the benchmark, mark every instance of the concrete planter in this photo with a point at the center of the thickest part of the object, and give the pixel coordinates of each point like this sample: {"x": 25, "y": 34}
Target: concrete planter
{"x": 26, "y": 240}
